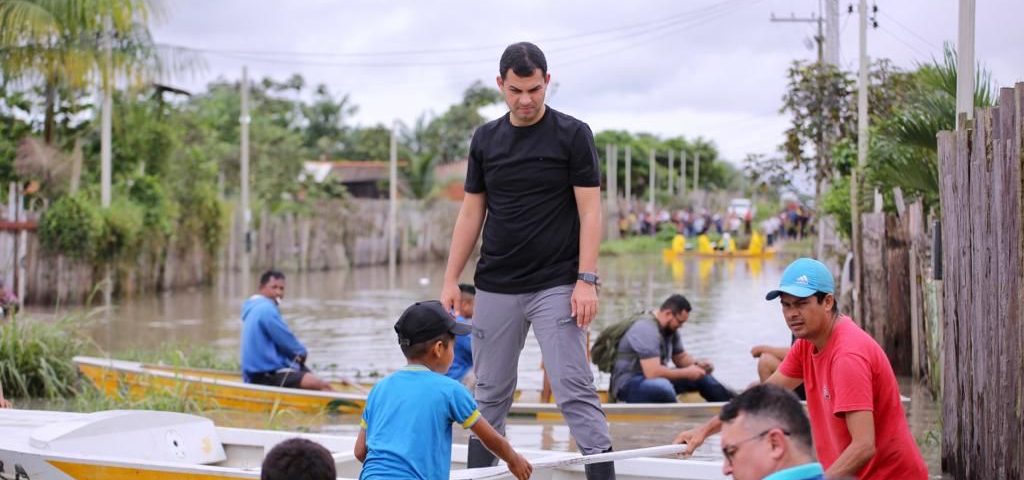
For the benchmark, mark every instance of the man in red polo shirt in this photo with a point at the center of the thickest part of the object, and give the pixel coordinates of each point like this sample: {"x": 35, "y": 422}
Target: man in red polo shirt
{"x": 857, "y": 421}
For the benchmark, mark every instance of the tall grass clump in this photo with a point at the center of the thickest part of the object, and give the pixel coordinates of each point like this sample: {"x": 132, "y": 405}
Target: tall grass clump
{"x": 35, "y": 358}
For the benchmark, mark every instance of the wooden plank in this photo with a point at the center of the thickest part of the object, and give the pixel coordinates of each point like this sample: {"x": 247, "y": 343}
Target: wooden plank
{"x": 915, "y": 231}
{"x": 874, "y": 280}
{"x": 896, "y": 327}
{"x": 1015, "y": 300}
{"x": 953, "y": 148}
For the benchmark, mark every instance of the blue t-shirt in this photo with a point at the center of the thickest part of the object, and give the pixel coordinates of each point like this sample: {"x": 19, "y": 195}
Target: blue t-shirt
{"x": 807, "y": 471}
{"x": 267, "y": 342}
{"x": 408, "y": 421}
{"x": 463, "y": 361}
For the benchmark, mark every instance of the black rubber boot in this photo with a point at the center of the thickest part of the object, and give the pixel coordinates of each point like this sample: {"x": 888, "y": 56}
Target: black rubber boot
{"x": 600, "y": 471}
{"x": 479, "y": 456}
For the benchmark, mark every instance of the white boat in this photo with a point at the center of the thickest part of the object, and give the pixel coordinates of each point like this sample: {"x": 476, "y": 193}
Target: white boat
{"x": 139, "y": 444}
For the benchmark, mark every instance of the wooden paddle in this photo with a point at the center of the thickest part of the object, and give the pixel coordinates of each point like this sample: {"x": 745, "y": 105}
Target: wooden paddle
{"x": 501, "y": 471}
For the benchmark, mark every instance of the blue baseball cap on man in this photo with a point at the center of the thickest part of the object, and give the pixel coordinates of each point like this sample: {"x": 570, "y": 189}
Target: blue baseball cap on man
{"x": 803, "y": 278}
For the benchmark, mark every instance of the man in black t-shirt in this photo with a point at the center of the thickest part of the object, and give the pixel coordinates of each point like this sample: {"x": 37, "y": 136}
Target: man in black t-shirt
{"x": 533, "y": 175}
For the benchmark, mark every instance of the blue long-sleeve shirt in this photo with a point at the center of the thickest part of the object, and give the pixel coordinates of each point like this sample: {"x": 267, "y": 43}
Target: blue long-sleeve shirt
{"x": 463, "y": 361}
{"x": 267, "y": 342}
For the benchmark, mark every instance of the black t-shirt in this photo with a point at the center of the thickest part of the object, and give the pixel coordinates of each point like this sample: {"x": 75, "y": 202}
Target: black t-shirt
{"x": 532, "y": 229}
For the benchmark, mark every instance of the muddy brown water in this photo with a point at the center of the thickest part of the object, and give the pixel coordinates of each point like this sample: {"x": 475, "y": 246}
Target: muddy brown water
{"x": 346, "y": 319}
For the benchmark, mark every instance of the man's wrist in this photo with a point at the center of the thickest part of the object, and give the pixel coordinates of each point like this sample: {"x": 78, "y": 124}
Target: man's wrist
{"x": 589, "y": 278}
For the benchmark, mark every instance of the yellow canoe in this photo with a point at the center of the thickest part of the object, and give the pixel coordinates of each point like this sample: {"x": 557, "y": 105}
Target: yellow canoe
{"x": 215, "y": 389}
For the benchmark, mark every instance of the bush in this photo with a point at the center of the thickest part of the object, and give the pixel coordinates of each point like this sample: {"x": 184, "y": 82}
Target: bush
{"x": 159, "y": 212}
{"x": 71, "y": 226}
{"x": 121, "y": 233}
{"x": 35, "y": 358}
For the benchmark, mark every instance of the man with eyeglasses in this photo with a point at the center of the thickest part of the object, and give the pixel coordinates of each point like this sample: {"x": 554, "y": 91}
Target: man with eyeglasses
{"x": 853, "y": 400}
{"x": 641, "y": 373}
{"x": 766, "y": 435}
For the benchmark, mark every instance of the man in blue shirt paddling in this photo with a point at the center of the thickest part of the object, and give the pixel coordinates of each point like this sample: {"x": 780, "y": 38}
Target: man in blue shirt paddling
{"x": 271, "y": 355}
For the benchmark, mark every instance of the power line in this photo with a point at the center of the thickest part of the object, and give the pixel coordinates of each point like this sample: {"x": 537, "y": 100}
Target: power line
{"x": 665, "y": 28}
{"x": 659, "y": 23}
{"x": 897, "y": 38}
{"x": 906, "y": 28}
{"x": 711, "y": 17}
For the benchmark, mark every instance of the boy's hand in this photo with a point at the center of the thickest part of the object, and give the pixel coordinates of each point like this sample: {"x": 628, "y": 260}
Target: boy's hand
{"x": 520, "y": 467}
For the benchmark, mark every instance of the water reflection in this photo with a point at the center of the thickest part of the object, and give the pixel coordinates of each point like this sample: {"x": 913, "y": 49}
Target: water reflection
{"x": 346, "y": 319}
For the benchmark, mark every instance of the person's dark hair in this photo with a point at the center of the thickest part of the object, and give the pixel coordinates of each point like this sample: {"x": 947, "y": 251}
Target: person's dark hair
{"x": 522, "y": 58}
{"x": 269, "y": 274}
{"x": 298, "y": 459}
{"x": 676, "y": 304}
{"x": 835, "y": 301}
{"x": 773, "y": 402}
{"x": 420, "y": 349}
{"x": 467, "y": 289}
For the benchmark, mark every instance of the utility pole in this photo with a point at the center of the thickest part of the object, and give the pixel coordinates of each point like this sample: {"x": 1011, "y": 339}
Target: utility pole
{"x": 820, "y": 147}
{"x": 862, "y": 156}
{"x": 106, "y": 127}
{"x": 671, "y": 178}
{"x": 106, "y": 119}
{"x": 832, "y": 32}
{"x": 611, "y": 170}
{"x": 696, "y": 172}
{"x": 244, "y": 120}
{"x": 965, "y": 63}
{"x": 652, "y": 186}
{"x": 682, "y": 173}
{"x": 629, "y": 176}
{"x": 393, "y": 201}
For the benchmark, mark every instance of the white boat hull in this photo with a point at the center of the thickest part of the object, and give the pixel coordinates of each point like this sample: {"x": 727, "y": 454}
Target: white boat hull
{"x": 136, "y": 445}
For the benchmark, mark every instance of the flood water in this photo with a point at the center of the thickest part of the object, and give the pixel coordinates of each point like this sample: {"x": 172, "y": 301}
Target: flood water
{"x": 346, "y": 319}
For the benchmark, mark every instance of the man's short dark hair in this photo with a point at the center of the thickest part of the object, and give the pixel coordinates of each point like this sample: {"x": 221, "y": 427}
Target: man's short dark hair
{"x": 467, "y": 289}
{"x": 773, "y": 402}
{"x": 270, "y": 274}
{"x": 418, "y": 350}
{"x": 298, "y": 459}
{"x": 676, "y": 304}
{"x": 522, "y": 58}
{"x": 835, "y": 301}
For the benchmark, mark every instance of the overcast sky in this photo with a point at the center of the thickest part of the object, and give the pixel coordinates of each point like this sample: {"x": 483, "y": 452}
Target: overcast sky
{"x": 711, "y": 68}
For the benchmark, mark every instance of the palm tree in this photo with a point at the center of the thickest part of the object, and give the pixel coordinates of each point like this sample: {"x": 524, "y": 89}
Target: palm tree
{"x": 904, "y": 149}
{"x": 59, "y": 43}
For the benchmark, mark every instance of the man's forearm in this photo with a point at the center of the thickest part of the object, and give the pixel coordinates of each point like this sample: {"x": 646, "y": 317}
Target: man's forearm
{"x": 590, "y": 239}
{"x": 467, "y": 230}
{"x": 851, "y": 460}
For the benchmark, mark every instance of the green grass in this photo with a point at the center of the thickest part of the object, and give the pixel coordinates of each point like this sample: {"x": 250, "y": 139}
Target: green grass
{"x": 183, "y": 355}
{"x": 35, "y": 357}
{"x": 639, "y": 244}
{"x": 797, "y": 248}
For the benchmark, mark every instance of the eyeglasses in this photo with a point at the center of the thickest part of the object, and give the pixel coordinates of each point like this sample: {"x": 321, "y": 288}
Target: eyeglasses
{"x": 730, "y": 451}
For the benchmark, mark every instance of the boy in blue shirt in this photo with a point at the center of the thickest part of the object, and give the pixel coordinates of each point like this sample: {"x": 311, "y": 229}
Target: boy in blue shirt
{"x": 407, "y": 423}
{"x": 462, "y": 366}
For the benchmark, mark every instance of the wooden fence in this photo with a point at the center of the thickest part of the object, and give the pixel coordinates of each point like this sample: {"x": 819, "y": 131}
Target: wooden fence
{"x": 981, "y": 197}
{"x": 898, "y": 307}
{"x": 344, "y": 234}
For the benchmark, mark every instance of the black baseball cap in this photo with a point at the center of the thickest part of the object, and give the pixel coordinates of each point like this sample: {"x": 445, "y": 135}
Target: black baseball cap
{"x": 423, "y": 321}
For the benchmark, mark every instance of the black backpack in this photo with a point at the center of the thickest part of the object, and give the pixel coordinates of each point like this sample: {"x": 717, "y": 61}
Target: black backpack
{"x": 605, "y": 350}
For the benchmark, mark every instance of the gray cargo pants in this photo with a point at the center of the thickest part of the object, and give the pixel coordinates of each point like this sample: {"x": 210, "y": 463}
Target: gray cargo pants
{"x": 500, "y": 324}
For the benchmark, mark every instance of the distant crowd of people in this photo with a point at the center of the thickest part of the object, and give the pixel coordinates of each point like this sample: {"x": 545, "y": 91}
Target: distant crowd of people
{"x": 795, "y": 221}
